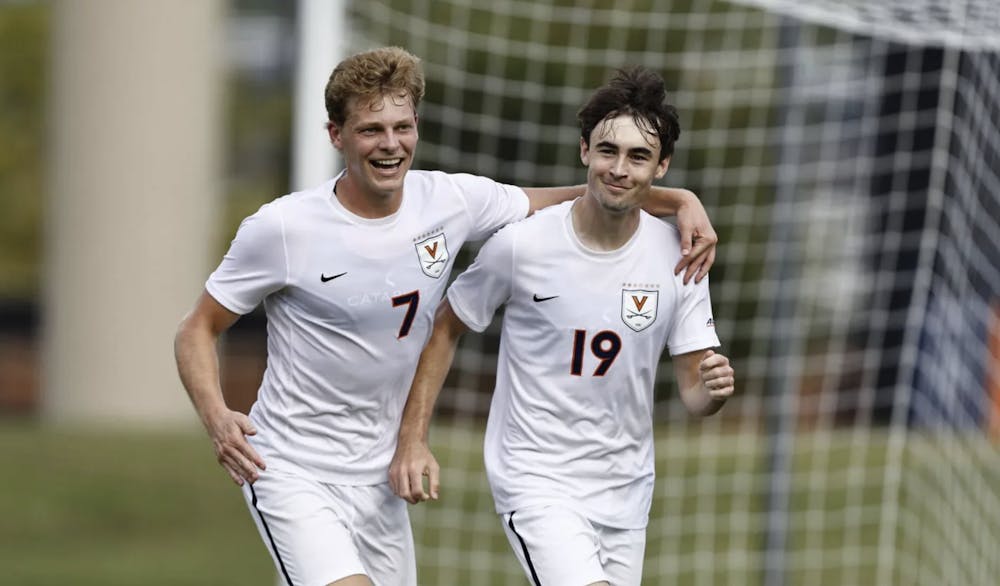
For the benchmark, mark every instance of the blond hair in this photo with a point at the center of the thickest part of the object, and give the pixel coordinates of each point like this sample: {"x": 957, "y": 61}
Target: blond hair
{"x": 387, "y": 71}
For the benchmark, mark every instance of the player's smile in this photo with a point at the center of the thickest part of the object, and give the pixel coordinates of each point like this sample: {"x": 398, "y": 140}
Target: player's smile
{"x": 377, "y": 142}
{"x": 622, "y": 163}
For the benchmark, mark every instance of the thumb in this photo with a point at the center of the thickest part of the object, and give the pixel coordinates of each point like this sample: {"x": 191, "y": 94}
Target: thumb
{"x": 245, "y": 426}
{"x": 708, "y": 354}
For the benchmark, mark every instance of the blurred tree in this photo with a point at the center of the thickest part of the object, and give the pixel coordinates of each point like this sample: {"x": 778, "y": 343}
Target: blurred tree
{"x": 24, "y": 58}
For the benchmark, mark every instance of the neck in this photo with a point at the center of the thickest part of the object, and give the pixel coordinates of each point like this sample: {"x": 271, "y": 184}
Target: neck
{"x": 601, "y": 229}
{"x": 363, "y": 203}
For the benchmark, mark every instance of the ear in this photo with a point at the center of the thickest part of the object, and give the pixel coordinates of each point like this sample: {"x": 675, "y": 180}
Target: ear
{"x": 661, "y": 168}
{"x": 334, "y": 132}
{"x": 584, "y": 152}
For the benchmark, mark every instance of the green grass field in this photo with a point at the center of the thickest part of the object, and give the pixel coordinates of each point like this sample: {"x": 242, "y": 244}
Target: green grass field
{"x": 84, "y": 508}
{"x": 119, "y": 508}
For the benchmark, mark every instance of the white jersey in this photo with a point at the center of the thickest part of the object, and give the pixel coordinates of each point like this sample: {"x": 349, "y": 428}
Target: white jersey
{"x": 583, "y": 331}
{"x": 349, "y": 303}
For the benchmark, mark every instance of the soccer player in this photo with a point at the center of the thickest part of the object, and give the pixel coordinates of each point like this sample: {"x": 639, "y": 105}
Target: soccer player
{"x": 590, "y": 306}
{"x": 349, "y": 274}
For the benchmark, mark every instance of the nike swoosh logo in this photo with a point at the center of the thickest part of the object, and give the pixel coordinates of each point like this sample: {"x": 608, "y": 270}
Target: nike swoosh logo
{"x": 539, "y": 299}
{"x": 325, "y": 278}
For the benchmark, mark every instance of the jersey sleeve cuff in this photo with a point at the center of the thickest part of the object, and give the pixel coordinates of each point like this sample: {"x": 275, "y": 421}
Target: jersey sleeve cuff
{"x": 227, "y": 301}
{"x": 463, "y": 314}
{"x": 702, "y": 343}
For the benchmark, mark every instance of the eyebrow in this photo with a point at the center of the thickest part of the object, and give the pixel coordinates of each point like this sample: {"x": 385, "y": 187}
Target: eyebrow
{"x": 637, "y": 150}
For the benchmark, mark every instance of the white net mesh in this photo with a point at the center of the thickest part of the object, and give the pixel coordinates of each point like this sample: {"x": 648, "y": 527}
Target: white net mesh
{"x": 848, "y": 154}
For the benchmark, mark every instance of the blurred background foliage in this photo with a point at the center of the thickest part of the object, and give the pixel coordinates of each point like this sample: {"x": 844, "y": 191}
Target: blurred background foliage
{"x": 24, "y": 57}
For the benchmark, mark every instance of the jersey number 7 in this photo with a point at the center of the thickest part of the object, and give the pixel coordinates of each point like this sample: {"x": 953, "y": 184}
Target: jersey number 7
{"x": 411, "y": 300}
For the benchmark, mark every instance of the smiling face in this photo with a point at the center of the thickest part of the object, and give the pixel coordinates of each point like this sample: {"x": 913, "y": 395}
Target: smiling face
{"x": 377, "y": 142}
{"x": 622, "y": 161}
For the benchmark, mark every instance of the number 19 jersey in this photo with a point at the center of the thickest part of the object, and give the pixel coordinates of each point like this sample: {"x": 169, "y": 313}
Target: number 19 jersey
{"x": 582, "y": 334}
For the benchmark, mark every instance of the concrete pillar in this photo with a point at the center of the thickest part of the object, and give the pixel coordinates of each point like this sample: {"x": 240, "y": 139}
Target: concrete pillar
{"x": 135, "y": 186}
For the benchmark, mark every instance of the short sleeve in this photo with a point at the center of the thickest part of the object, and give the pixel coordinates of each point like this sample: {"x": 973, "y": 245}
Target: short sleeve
{"x": 694, "y": 326}
{"x": 255, "y": 265}
{"x": 491, "y": 205}
{"x": 486, "y": 284}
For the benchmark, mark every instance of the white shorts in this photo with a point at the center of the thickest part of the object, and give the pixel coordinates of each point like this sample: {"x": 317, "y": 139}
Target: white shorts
{"x": 560, "y": 547}
{"x": 318, "y": 533}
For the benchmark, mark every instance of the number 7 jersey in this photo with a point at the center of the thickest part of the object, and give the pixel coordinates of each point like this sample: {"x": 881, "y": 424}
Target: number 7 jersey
{"x": 349, "y": 305}
{"x": 582, "y": 335}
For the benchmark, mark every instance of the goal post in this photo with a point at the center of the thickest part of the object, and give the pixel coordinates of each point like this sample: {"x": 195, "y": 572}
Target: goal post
{"x": 848, "y": 153}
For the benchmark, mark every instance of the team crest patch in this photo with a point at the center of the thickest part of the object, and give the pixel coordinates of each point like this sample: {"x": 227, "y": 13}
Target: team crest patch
{"x": 639, "y": 308}
{"x": 433, "y": 255}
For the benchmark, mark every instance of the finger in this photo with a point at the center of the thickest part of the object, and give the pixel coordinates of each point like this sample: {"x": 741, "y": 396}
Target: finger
{"x": 719, "y": 383}
{"x": 251, "y": 454}
{"x": 727, "y": 388}
{"x": 392, "y": 479}
{"x": 417, "y": 485}
{"x": 245, "y": 425}
{"x": 402, "y": 488}
{"x": 708, "y": 360}
{"x": 687, "y": 238}
{"x": 717, "y": 373}
{"x": 241, "y": 464}
{"x": 697, "y": 260}
{"x": 684, "y": 262}
{"x": 434, "y": 480}
{"x": 703, "y": 271}
{"x": 232, "y": 474}
{"x": 233, "y": 464}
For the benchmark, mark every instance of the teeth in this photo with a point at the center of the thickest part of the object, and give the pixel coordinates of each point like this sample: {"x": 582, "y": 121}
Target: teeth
{"x": 387, "y": 162}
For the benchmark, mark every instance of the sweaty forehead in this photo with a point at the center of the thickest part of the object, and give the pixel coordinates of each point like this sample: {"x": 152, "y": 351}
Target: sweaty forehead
{"x": 623, "y": 131}
{"x": 380, "y": 107}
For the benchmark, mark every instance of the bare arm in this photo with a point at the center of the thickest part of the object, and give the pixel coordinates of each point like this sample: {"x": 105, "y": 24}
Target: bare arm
{"x": 198, "y": 366}
{"x": 413, "y": 459}
{"x": 698, "y": 238}
{"x": 705, "y": 380}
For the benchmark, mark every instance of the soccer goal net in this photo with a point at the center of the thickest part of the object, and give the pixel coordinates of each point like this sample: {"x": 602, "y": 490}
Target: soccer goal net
{"x": 848, "y": 153}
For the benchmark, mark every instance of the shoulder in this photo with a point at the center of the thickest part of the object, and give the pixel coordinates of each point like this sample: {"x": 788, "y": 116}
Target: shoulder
{"x": 662, "y": 235}
{"x": 297, "y": 203}
{"x": 537, "y": 234}
{"x": 456, "y": 183}
{"x": 543, "y": 223}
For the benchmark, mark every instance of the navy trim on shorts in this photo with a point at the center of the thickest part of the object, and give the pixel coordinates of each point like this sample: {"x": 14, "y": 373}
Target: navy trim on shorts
{"x": 524, "y": 548}
{"x": 270, "y": 538}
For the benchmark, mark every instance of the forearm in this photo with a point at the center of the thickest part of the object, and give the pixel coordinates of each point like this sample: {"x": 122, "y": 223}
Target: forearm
{"x": 198, "y": 367}
{"x": 543, "y": 197}
{"x": 667, "y": 201}
{"x": 435, "y": 362}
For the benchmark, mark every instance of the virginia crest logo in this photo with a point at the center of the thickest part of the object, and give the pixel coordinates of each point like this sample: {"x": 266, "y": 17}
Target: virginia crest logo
{"x": 433, "y": 255}
{"x": 639, "y": 308}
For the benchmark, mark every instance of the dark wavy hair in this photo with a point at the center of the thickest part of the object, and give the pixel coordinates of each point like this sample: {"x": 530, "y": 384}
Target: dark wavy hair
{"x": 637, "y": 92}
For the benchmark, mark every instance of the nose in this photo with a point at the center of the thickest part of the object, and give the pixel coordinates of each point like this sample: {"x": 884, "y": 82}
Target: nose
{"x": 389, "y": 141}
{"x": 619, "y": 169}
